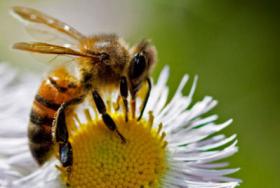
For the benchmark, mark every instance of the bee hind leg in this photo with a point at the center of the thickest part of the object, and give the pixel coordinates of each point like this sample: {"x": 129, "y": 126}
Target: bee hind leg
{"x": 66, "y": 154}
{"x": 107, "y": 119}
{"x": 61, "y": 133}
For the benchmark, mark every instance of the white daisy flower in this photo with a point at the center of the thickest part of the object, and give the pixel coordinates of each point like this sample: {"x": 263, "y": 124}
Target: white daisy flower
{"x": 176, "y": 144}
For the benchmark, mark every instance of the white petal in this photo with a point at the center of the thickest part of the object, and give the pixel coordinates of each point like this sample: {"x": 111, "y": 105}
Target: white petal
{"x": 193, "y": 151}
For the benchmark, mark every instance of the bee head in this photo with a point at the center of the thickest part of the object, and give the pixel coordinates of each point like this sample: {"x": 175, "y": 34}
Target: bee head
{"x": 141, "y": 64}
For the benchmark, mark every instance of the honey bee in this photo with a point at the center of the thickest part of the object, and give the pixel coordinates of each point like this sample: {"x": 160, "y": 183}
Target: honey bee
{"x": 103, "y": 61}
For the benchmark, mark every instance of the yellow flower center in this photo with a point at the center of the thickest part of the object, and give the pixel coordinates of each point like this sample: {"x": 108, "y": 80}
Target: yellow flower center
{"x": 101, "y": 159}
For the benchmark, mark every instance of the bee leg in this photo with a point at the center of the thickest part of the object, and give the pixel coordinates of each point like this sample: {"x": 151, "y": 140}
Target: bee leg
{"x": 66, "y": 158}
{"x": 117, "y": 103}
{"x": 61, "y": 133}
{"x": 124, "y": 95}
{"x": 133, "y": 104}
{"x": 146, "y": 99}
{"x": 107, "y": 119}
{"x": 66, "y": 154}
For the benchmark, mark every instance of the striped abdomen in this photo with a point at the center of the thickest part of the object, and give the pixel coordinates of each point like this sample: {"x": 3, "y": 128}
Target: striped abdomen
{"x": 58, "y": 88}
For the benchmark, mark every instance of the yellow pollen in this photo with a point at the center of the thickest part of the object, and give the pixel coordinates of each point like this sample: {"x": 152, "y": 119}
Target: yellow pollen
{"x": 101, "y": 160}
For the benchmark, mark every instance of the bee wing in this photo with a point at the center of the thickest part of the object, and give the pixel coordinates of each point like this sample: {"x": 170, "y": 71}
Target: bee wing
{"x": 45, "y": 34}
{"x": 54, "y": 53}
{"x": 50, "y": 29}
{"x": 55, "y": 59}
{"x": 45, "y": 48}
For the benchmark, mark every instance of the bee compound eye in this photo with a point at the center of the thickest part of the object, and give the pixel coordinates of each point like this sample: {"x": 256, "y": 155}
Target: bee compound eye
{"x": 138, "y": 66}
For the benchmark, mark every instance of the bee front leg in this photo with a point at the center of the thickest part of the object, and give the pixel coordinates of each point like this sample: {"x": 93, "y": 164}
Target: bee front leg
{"x": 146, "y": 99}
{"x": 61, "y": 132}
{"x": 135, "y": 90}
{"x": 124, "y": 95}
{"x": 107, "y": 119}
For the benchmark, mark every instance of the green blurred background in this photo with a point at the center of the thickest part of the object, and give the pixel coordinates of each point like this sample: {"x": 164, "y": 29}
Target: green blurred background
{"x": 232, "y": 45}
